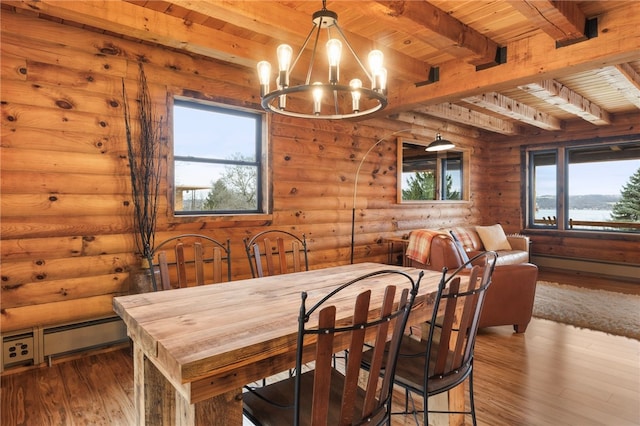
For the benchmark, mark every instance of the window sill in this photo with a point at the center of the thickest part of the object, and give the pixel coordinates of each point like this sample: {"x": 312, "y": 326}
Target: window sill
{"x": 225, "y": 221}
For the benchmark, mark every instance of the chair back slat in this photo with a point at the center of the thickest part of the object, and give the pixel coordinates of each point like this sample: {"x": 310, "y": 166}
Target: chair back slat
{"x": 181, "y": 265}
{"x": 195, "y": 260}
{"x": 322, "y": 378}
{"x": 217, "y": 265}
{"x": 198, "y": 257}
{"x": 164, "y": 271}
{"x": 352, "y": 370}
{"x": 295, "y": 251}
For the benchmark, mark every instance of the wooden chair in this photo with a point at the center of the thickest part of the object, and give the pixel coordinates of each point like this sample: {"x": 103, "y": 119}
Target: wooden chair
{"x": 274, "y": 252}
{"x": 443, "y": 358}
{"x": 191, "y": 259}
{"x": 324, "y": 395}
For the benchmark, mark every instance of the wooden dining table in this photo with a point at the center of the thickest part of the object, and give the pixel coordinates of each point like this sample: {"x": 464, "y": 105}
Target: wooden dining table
{"x": 194, "y": 348}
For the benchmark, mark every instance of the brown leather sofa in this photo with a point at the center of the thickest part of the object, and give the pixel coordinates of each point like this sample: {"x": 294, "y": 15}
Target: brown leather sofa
{"x": 472, "y": 243}
{"x": 509, "y": 299}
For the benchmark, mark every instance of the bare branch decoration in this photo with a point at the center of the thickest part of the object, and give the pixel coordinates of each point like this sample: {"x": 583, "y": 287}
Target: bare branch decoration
{"x": 145, "y": 168}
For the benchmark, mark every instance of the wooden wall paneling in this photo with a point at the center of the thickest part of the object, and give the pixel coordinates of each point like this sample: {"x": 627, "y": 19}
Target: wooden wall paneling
{"x": 39, "y": 270}
{"x": 29, "y": 248}
{"x": 57, "y": 312}
{"x": 33, "y": 182}
{"x": 38, "y": 293}
{"x": 26, "y": 226}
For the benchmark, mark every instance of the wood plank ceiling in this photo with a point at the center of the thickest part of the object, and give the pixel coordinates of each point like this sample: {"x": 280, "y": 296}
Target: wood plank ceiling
{"x": 510, "y": 67}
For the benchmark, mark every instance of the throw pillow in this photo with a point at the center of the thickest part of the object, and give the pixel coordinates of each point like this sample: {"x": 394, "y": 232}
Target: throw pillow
{"x": 493, "y": 237}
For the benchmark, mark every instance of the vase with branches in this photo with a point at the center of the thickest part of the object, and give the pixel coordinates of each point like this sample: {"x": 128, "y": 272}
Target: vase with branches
{"x": 145, "y": 168}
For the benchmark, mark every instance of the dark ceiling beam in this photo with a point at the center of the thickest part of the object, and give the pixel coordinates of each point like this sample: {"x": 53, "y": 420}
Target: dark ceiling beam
{"x": 444, "y": 31}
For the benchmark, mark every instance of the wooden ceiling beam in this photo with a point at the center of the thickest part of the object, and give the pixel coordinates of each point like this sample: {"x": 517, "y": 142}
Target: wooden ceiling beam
{"x": 561, "y": 20}
{"x": 530, "y": 59}
{"x": 555, "y": 93}
{"x": 148, "y": 25}
{"x": 624, "y": 79}
{"x": 452, "y": 112}
{"x": 133, "y": 20}
{"x": 445, "y": 32}
{"x": 511, "y": 108}
{"x": 429, "y": 122}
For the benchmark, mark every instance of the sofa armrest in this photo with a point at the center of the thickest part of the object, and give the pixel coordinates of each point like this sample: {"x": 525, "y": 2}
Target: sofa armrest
{"x": 510, "y": 297}
{"x": 519, "y": 242}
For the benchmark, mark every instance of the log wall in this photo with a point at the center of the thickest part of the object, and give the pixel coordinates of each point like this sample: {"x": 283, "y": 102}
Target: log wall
{"x": 67, "y": 212}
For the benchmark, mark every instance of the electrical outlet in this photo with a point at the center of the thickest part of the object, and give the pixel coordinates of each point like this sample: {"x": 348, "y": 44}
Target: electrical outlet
{"x": 17, "y": 349}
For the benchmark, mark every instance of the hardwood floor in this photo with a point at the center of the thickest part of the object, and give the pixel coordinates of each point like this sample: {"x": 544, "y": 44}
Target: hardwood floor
{"x": 553, "y": 374}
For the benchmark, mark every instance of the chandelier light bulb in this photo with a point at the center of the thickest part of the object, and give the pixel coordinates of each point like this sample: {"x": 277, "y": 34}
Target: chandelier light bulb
{"x": 355, "y": 85}
{"x": 376, "y": 59}
{"x": 334, "y": 51}
{"x": 284, "y": 53}
{"x": 317, "y": 98}
{"x": 383, "y": 80}
{"x": 264, "y": 74}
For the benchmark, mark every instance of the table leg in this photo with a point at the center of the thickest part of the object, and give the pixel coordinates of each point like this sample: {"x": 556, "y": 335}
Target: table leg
{"x": 157, "y": 402}
{"x": 456, "y": 403}
{"x": 222, "y": 410}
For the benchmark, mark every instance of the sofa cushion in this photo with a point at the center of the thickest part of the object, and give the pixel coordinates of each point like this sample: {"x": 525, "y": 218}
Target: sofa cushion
{"x": 493, "y": 237}
{"x": 512, "y": 257}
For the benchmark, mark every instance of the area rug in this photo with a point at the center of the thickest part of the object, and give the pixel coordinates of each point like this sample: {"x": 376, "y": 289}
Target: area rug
{"x": 613, "y": 313}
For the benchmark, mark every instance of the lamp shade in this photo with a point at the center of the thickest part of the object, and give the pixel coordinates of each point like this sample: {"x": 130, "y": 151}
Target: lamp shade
{"x": 439, "y": 144}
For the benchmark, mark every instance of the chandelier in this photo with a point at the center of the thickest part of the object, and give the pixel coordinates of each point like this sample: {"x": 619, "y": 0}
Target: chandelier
{"x": 328, "y": 99}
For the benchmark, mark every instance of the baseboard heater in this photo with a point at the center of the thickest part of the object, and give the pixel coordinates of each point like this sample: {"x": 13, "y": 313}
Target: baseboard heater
{"x": 622, "y": 270}
{"x": 34, "y": 346}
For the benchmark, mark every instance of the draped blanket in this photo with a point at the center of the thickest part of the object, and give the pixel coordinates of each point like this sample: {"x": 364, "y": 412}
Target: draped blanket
{"x": 420, "y": 245}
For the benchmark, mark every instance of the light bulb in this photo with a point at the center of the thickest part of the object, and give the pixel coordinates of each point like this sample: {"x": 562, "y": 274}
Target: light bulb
{"x": 264, "y": 73}
{"x": 355, "y": 85}
{"x": 376, "y": 59}
{"x": 383, "y": 80}
{"x": 334, "y": 51}
{"x": 317, "y": 98}
{"x": 284, "y": 53}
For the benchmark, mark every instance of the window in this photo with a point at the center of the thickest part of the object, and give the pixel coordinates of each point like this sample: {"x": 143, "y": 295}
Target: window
{"x": 585, "y": 187}
{"x": 217, "y": 154}
{"x": 431, "y": 176}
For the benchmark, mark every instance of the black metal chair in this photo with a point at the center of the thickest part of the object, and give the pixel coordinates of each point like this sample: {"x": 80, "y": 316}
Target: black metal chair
{"x": 275, "y": 251}
{"x": 323, "y": 394}
{"x": 442, "y": 358}
{"x": 191, "y": 259}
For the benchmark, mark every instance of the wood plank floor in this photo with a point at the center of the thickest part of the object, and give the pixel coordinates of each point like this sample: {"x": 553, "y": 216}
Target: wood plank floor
{"x": 552, "y": 375}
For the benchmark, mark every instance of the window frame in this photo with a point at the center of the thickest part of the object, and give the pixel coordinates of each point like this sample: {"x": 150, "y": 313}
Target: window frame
{"x": 263, "y": 211}
{"x": 562, "y": 150}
